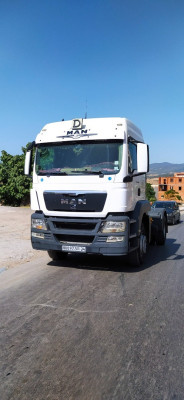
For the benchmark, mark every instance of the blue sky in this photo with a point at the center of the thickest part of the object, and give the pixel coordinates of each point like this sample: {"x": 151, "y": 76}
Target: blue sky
{"x": 61, "y": 58}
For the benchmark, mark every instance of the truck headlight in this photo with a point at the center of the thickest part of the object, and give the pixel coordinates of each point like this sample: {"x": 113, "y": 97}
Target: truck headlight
{"x": 38, "y": 223}
{"x": 113, "y": 226}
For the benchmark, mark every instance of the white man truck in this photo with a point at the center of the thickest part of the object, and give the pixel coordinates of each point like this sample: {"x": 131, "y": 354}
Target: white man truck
{"x": 88, "y": 190}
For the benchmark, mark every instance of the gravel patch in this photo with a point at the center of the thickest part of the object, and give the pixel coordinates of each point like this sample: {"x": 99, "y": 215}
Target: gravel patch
{"x": 15, "y": 243}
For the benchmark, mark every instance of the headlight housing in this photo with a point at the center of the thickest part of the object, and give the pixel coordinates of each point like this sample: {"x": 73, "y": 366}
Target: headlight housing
{"x": 113, "y": 227}
{"x": 38, "y": 223}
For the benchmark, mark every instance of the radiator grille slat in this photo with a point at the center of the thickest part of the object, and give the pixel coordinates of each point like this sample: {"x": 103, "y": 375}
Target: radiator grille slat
{"x": 74, "y": 239}
{"x": 87, "y": 226}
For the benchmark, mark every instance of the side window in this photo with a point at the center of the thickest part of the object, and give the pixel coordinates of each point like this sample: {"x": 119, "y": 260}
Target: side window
{"x": 132, "y": 157}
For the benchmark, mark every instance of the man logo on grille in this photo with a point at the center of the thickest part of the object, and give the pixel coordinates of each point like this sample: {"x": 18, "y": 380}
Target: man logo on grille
{"x": 73, "y": 202}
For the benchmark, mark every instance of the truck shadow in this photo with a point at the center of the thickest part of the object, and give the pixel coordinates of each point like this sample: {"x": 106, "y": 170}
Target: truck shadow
{"x": 155, "y": 255}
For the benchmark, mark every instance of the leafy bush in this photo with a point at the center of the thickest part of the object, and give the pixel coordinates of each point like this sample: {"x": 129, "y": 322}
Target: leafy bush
{"x": 14, "y": 185}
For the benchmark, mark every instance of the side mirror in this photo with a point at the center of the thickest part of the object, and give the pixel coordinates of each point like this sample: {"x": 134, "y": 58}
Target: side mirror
{"x": 142, "y": 158}
{"x": 27, "y": 164}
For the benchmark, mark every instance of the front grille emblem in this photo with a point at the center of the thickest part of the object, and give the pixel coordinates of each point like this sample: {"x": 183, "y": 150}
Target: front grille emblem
{"x": 73, "y": 202}
{"x": 73, "y": 206}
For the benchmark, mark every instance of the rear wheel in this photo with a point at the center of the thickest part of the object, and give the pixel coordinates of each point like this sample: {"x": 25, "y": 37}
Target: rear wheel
{"x": 56, "y": 255}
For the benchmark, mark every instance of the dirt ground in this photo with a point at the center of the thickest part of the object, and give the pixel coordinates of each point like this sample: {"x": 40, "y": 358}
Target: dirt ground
{"x": 15, "y": 243}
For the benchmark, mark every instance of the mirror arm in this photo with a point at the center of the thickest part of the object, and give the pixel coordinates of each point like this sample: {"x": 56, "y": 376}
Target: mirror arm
{"x": 129, "y": 178}
{"x": 31, "y": 146}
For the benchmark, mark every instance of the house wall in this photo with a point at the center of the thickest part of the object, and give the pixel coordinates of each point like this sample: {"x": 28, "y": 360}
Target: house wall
{"x": 175, "y": 182}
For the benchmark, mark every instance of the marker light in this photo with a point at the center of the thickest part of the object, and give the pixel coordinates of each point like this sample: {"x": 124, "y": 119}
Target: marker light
{"x": 115, "y": 239}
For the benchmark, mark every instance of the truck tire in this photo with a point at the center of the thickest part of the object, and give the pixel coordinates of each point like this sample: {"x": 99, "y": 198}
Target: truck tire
{"x": 136, "y": 257}
{"x": 56, "y": 255}
{"x": 161, "y": 236}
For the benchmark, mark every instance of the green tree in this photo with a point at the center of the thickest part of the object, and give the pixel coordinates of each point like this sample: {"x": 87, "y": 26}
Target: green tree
{"x": 150, "y": 193}
{"x": 172, "y": 195}
{"x": 14, "y": 185}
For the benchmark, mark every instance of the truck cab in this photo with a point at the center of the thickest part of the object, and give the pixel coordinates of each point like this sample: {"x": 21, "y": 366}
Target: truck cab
{"x": 88, "y": 192}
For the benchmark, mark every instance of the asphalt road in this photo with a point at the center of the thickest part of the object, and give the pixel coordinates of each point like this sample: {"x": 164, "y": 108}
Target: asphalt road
{"x": 92, "y": 328}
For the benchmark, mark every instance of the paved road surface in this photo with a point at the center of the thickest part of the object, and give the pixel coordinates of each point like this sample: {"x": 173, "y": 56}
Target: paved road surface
{"x": 91, "y": 328}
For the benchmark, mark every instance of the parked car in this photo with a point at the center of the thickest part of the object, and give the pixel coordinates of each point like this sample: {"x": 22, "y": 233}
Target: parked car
{"x": 172, "y": 210}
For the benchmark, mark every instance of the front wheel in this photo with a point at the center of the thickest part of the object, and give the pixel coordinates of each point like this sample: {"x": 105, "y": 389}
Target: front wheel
{"x": 136, "y": 257}
{"x": 161, "y": 236}
{"x": 56, "y": 255}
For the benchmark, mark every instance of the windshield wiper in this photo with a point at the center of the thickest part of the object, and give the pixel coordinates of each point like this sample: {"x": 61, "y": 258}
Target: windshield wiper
{"x": 86, "y": 172}
{"x": 52, "y": 173}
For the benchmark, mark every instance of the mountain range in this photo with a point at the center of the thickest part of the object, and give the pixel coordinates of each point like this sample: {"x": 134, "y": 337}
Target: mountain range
{"x": 164, "y": 169}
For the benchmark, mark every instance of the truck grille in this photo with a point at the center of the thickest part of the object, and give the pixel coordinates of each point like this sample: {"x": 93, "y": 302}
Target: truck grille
{"x": 74, "y": 239}
{"x": 74, "y": 202}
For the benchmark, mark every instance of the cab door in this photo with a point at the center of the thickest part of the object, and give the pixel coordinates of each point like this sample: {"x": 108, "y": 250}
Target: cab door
{"x": 138, "y": 183}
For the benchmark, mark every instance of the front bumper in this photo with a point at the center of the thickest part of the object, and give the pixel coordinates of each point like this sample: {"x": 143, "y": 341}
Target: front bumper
{"x": 80, "y": 235}
{"x": 170, "y": 218}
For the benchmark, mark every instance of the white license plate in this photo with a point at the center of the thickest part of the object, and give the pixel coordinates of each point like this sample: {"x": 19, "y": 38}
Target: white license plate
{"x": 79, "y": 249}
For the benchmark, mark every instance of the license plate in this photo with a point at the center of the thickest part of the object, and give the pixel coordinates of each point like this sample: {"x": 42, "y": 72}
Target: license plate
{"x": 78, "y": 249}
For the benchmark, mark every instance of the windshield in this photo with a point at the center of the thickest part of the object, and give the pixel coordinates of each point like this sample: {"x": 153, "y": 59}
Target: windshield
{"x": 72, "y": 158}
{"x": 164, "y": 204}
